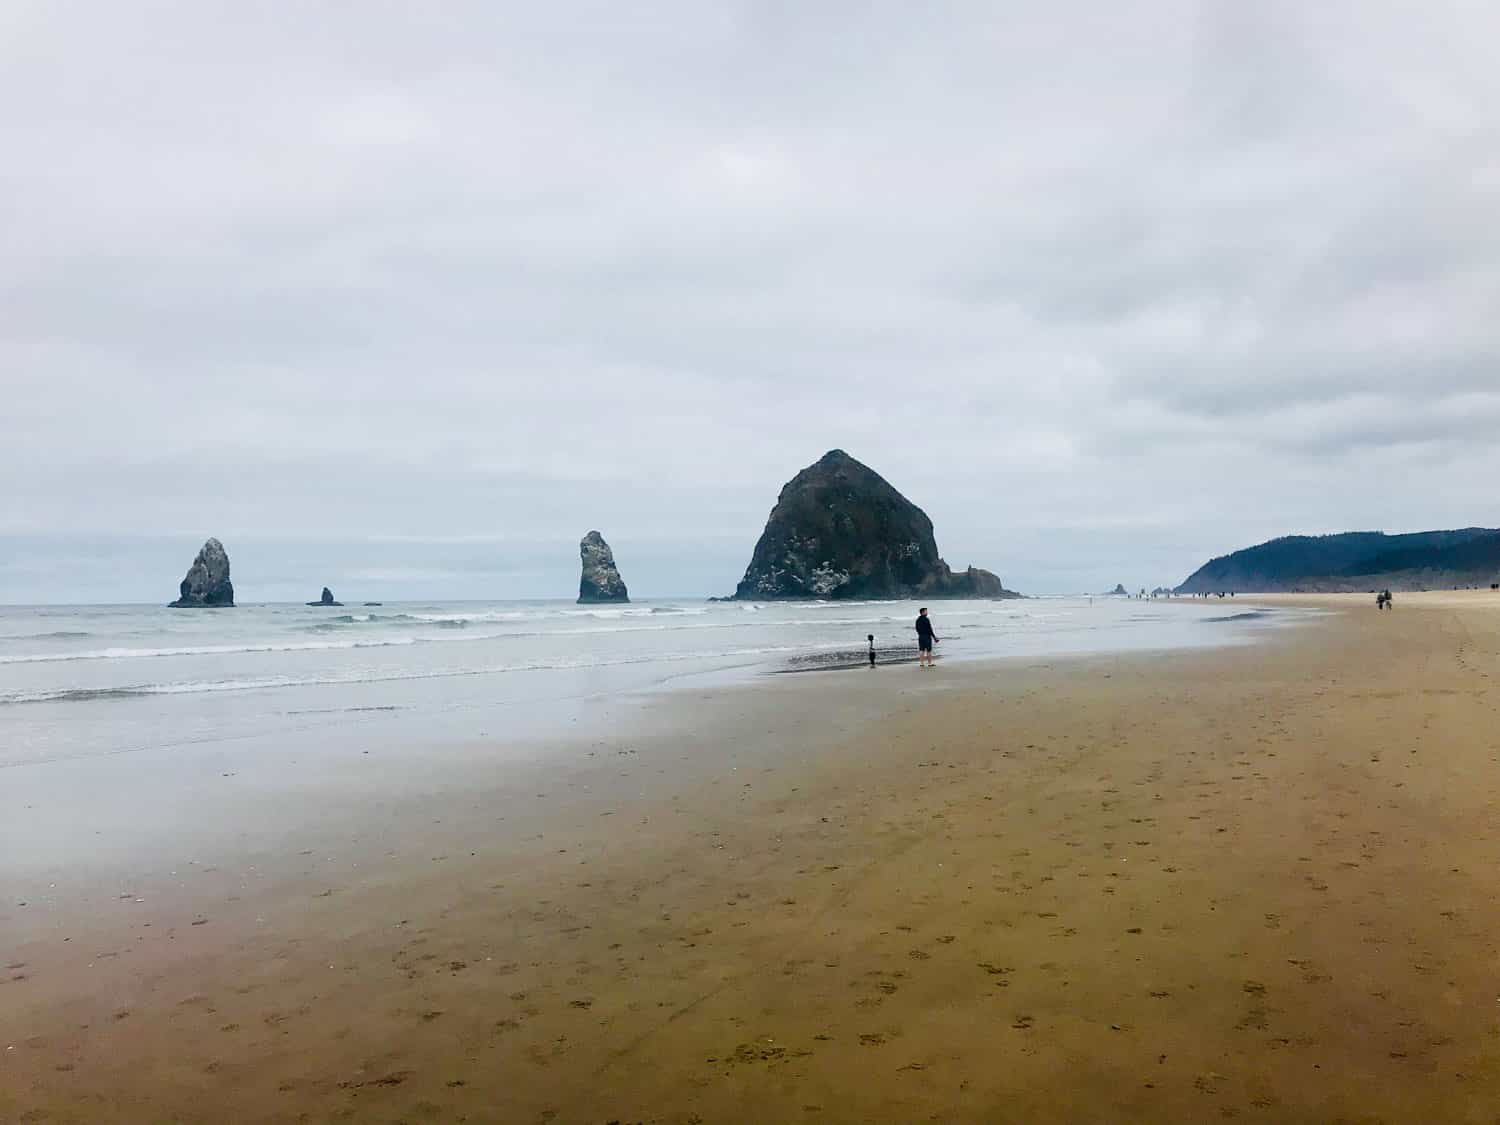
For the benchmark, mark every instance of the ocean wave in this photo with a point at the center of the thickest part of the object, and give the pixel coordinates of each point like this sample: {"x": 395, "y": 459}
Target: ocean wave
{"x": 198, "y": 687}
{"x": 345, "y": 622}
{"x": 198, "y": 650}
{"x": 643, "y": 625}
{"x": 1247, "y": 615}
{"x": 564, "y": 613}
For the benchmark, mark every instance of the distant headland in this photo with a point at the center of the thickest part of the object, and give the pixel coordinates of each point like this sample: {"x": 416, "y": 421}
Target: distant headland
{"x": 1355, "y": 561}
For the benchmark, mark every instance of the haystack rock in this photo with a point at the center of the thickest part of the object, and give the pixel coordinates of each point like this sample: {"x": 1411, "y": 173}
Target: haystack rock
{"x": 207, "y": 583}
{"x": 839, "y": 530}
{"x": 326, "y": 599}
{"x": 600, "y": 581}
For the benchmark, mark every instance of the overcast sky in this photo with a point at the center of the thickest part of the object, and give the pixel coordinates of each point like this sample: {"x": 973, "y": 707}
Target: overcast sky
{"x": 409, "y": 296}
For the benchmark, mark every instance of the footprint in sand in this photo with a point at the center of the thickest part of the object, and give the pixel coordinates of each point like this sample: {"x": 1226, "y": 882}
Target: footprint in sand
{"x": 1253, "y": 1020}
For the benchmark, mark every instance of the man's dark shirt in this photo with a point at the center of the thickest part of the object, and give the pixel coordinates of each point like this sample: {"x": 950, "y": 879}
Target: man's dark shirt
{"x": 924, "y": 628}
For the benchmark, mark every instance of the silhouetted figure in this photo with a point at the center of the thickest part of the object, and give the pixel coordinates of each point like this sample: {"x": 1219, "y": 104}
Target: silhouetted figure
{"x": 871, "y": 639}
{"x": 925, "y": 639}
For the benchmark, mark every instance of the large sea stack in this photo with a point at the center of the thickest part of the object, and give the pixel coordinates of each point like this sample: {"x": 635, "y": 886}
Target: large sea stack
{"x": 839, "y": 530}
{"x": 600, "y": 580}
{"x": 207, "y": 583}
{"x": 326, "y": 599}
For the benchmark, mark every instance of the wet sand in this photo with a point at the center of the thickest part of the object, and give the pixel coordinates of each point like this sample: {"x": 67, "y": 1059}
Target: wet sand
{"x": 1254, "y": 883}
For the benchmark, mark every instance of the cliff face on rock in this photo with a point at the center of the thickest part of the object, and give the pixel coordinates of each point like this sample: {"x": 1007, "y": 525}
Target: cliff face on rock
{"x": 207, "y": 582}
{"x": 1355, "y": 561}
{"x": 600, "y": 580}
{"x": 839, "y": 530}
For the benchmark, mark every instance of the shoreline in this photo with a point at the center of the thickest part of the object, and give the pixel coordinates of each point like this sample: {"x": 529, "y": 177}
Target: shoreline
{"x": 126, "y": 786}
{"x": 961, "y": 896}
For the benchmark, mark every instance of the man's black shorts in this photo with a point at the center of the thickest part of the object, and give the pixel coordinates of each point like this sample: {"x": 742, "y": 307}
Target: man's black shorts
{"x": 924, "y": 644}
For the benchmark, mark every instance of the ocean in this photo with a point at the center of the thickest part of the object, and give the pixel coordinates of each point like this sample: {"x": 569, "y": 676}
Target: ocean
{"x": 90, "y": 680}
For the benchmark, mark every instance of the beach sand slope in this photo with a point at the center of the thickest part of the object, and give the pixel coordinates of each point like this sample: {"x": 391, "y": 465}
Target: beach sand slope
{"x": 1254, "y": 884}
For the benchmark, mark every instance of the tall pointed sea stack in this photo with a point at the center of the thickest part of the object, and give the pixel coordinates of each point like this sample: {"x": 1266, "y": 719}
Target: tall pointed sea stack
{"x": 839, "y": 530}
{"x": 600, "y": 581}
{"x": 207, "y": 583}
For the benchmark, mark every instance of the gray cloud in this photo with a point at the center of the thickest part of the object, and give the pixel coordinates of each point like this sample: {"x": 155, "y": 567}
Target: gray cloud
{"x": 1107, "y": 289}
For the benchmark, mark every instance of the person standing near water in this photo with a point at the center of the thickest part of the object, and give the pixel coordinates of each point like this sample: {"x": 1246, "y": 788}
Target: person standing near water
{"x": 925, "y": 639}
{"x": 871, "y": 638}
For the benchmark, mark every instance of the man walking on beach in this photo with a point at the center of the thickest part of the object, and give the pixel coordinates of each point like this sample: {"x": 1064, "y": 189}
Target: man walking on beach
{"x": 925, "y": 639}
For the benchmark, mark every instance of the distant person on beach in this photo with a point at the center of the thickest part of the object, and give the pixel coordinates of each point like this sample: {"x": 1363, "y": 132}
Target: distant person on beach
{"x": 871, "y": 639}
{"x": 925, "y": 639}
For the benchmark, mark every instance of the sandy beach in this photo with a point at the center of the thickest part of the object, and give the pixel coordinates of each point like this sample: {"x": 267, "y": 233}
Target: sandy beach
{"x": 1254, "y": 883}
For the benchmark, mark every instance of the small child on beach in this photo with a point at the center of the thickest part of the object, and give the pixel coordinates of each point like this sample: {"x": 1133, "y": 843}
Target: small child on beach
{"x": 871, "y": 639}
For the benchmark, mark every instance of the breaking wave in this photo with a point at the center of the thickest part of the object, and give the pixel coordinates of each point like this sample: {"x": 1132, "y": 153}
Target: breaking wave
{"x": 261, "y": 683}
{"x": 455, "y": 625}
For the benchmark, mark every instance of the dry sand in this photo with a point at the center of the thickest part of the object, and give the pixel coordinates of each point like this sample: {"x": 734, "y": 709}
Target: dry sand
{"x": 1256, "y": 883}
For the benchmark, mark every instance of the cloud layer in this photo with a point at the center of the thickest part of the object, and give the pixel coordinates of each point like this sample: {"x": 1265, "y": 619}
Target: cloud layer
{"x": 1106, "y": 289}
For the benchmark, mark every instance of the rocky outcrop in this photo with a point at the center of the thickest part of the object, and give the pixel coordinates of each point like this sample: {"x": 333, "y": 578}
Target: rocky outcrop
{"x": 207, "y": 583}
{"x": 1119, "y": 591}
{"x": 600, "y": 580}
{"x": 839, "y": 530}
{"x": 972, "y": 582}
{"x": 326, "y": 599}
